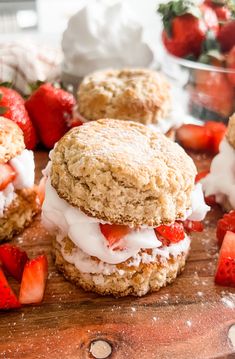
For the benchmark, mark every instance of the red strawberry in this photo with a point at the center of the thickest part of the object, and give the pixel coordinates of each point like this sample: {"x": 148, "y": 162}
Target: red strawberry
{"x": 226, "y": 36}
{"x": 13, "y": 259}
{"x": 50, "y": 109}
{"x": 218, "y": 130}
{"x": 114, "y": 232}
{"x": 214, "y": 92}
{"x": 193, "y": 226}
{"x": 225, "y": 273}
{"x": 34, "y": 280}
{"x": 226, "y": 223}
{"x": 12, "y": 106}
{"x": 222, "y": 11}
{"x": 173, "y": 233}
{"x": 230, "y": 60}
{"x": 8, "y": 299}
{"x": 7, "y": 175}
{"x": 210, "y": 200}
{"x": 186, "y": 26}
{"x": 194, "y": 137}
{"x": 201, "y": 175}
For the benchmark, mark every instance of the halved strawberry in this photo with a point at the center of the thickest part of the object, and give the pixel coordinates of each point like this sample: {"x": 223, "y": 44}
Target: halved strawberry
{"x": 225, "y": 274}
{"x": 34, "y": 280}
{"x": 194, "y": 137}
{"x": 114, "y": 232}
{"x": 173, "y": 233}
{"x": 13, "y": 259}
{"x": 193, "y": 226}
{"x": 8, "y": 299}
{"x": 201, "y": 175}
{"x": 226, "y": 223}
{"x": 218, "y": 130}
{"x": 230, "y": 60}
{"x": 7, "y": 175}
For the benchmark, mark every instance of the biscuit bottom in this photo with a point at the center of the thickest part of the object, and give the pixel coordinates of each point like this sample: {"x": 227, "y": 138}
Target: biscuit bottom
{"x": 136, "y": 281}
{"x": 19, "y": 213}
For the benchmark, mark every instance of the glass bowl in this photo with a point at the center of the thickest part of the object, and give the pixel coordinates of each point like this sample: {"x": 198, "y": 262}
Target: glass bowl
{"x": 205, "y": 92}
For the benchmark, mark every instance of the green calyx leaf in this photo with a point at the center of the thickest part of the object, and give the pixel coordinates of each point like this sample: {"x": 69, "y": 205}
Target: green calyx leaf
{"x": 6, "y": 84}
{"x": 210, "y": 49}
{"x": 176, "y": 8}
{"x": 3, "y": 110}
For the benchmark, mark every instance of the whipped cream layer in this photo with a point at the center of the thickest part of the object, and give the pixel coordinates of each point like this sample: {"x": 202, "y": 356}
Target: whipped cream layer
{"x": 84, "y": 231}
{"x": 221, "y": 179}
{"x": 24, "y": 166}
{"x": 104, "y": 35}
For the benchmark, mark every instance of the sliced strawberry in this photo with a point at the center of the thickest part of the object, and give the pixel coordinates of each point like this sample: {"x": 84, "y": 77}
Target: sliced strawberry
{"x": 7, "y": 175}
{"x": 210, "y": 200}
{"x": 194, "y": 137}
{"x": 218, "y": 130}
{"x": 41, "y": 189}
{"x": 34, "y": 280}
{"x": 173, "y": 233}
{"x": 8, "y": 299}
{"x": 226, "y": 223}
{"x": 114, "y": 232}
{"x": 225, "y": 274}
{"x": 13, "y": 259}
{"x": 201, "y": 175}
{"x": 193, "y": 226}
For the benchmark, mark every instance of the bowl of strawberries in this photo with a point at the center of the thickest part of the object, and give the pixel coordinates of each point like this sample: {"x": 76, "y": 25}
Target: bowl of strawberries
{"x": 199, "y": 43}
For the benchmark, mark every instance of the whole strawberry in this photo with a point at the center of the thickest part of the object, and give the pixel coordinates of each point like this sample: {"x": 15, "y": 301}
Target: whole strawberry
{"x": 12, "y": 106}
{"x": 50, "y": 109}
{"x": 186, "y": 26}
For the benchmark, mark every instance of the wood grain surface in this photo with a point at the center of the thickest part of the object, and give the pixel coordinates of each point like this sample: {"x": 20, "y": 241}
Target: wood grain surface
{"x": 188, "y": 319}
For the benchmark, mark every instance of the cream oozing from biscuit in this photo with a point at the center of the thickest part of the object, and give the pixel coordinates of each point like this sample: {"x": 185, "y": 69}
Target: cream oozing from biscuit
{"x": 85, "y": 233}
{"x": 23, "y": 165}
{"x": 221, "y": 179}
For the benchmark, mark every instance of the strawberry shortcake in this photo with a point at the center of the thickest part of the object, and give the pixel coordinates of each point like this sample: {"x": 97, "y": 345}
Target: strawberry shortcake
{"x": 121, "y": 200}
{"x": 220, "y": 182}
{"x": 139, "y": 95}
{"x": 18, "y": 197}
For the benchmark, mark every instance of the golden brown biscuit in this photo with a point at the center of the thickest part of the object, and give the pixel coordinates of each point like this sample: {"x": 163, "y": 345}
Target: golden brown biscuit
{"x": 11, "y": 140}
{"x": 135, "y": 281}
{"x": 231, "y": 131}
{"x": 139, "y": 95}
{"x": 124, "y": 173}
{"x": 19, "y": 213}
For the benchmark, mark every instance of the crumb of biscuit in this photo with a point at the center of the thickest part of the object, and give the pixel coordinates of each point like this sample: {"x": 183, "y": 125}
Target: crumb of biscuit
{"x": 231, "y": 131}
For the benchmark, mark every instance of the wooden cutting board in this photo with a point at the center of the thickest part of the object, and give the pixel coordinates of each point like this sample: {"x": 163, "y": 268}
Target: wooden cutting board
{"x": 188, "y": 319}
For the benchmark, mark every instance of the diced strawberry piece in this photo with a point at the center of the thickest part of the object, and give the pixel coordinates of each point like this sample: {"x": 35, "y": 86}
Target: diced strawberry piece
{"x": 13, "y": 259}
{"x": 34, "y": 280}
{"x": 8, "y": 299}
{"x": 210, "y": 200}
{"x": 114, "y": 232}
{"x": 41, "y": 189}
{"x": 225, "y": 274}
{"x": 194, "y": 137}
{"x": 7, "y": 175}
{"x": 173, "y": 233}
{"x": 218, "y": 130}
{"x": 226, "y": 223}
{"x": 201, "y": 175}
{"x": 193, "y": 226}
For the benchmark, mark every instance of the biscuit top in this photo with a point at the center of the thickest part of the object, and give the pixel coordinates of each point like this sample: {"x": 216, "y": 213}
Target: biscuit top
{"x": 139, "y": 95}
{"x": 11, "y": 140}
{"x": 123, "y": 172}
{"x": 231, "y": 131}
